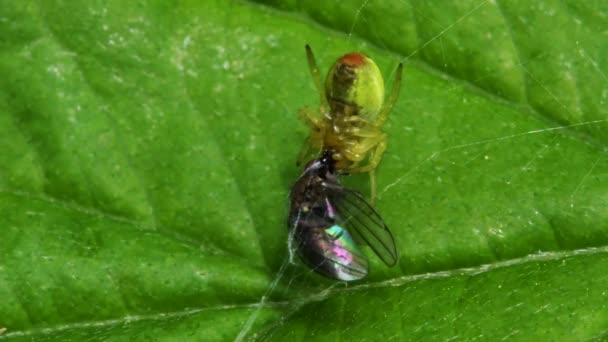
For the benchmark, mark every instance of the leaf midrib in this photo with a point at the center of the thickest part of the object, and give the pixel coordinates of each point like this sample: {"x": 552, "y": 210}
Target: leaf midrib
{"x": 298, "y": 302}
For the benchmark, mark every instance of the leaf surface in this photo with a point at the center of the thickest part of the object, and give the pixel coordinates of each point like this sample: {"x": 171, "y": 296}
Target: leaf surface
{"x": 148, "y": 149}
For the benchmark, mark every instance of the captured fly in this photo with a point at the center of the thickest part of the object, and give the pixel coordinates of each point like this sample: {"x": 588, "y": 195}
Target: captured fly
{"x": 323, "y": 215}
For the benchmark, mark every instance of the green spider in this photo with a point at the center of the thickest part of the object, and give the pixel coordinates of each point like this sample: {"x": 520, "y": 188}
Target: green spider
{"x": 349, "y": 121}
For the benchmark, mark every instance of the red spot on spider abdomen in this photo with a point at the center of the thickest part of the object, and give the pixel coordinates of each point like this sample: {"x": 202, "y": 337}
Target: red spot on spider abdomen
{"x": 353, "y": 58}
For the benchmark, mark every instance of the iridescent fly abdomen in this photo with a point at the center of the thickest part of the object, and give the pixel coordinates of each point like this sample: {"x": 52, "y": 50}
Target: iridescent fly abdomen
{"x": 324, "y": 216}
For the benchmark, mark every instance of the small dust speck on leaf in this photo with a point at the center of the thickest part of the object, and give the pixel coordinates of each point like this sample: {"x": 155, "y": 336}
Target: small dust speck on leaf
{"x": 218, "y": 88}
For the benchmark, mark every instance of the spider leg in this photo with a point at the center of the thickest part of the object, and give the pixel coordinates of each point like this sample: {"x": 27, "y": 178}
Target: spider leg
{"x": 316, "y": 77}
{"x": 379, "y": 147}
{"x": 388, "y": 106}
{"x": 372, "y": 187}
{"x": 315, "y": 138}
{"x": 310, "y": 118}
{"x": 370, "y": 131}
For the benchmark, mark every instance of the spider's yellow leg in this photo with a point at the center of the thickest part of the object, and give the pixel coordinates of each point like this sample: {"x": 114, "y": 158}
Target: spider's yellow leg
{"x": 356, "y": 118}
{"x": 388, "y": 106}
{"x": 379, "y": 147}
{"x": 376, "y": 158}
{"x": 316, "y": 77}
{"x": 372, "y": 185}
{"x": 361, "y": 132}
{"x": 310, "y": 118}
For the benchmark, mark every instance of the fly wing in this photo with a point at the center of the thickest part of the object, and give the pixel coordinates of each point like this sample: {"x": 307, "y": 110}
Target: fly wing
{"x": 332, "y": 252}
{"x": 362, "y": 219}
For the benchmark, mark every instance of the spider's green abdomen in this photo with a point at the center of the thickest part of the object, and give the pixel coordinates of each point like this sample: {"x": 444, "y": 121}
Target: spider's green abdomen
{"x": 354, "y": 86}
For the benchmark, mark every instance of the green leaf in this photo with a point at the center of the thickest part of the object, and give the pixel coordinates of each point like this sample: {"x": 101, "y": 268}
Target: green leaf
{"x": 148, "y": 149}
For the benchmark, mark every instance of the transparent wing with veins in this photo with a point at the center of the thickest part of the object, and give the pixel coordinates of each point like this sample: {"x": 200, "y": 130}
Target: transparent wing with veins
{"x": 360, "y": 218}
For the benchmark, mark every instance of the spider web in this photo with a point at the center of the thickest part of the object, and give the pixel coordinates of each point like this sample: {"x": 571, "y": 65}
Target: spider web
{"x": 473, "y": 153}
